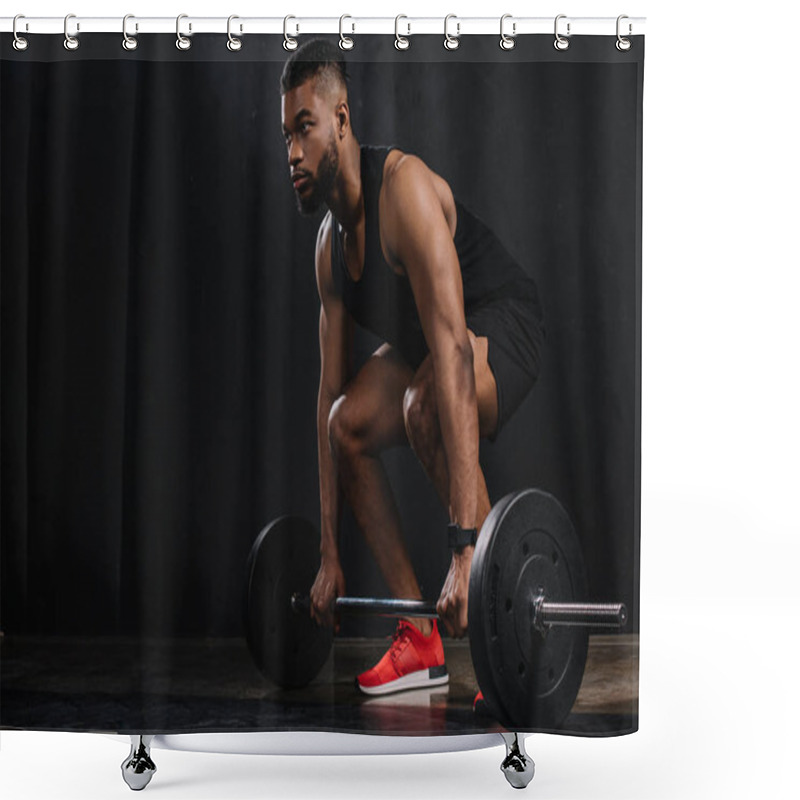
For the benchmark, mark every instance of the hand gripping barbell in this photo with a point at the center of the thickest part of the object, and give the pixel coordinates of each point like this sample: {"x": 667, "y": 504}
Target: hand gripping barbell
{"x": 528, "y": 619}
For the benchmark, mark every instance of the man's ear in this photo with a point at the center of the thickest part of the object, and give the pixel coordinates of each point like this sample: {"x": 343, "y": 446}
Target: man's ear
{"x": 342, "y": 118}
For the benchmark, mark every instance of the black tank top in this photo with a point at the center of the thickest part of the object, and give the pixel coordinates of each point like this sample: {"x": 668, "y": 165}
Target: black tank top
{"x": 382, "y": 301}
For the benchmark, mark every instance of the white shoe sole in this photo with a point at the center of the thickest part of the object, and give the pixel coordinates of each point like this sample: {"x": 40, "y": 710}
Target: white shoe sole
{"x": 414, "y": 680}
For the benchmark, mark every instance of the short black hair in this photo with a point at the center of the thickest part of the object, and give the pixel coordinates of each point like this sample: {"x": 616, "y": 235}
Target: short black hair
{"x": 315, "y": 58}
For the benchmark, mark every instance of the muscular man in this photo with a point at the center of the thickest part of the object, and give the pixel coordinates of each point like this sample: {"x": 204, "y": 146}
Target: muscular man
{"x": 462, "y": 331}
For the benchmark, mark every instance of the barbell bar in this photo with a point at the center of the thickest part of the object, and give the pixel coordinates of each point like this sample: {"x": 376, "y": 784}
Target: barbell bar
{"x": 545, "y": 613}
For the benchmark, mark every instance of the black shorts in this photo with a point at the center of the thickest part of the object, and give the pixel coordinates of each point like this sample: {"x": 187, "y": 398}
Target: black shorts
{"x": 514, "y": 328}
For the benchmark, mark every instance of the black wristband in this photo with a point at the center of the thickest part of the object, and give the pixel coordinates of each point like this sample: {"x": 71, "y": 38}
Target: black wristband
{"x": 460, "y": 537}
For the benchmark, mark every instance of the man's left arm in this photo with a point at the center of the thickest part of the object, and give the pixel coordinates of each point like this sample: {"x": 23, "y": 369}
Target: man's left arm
{"x": 418, "y": 236}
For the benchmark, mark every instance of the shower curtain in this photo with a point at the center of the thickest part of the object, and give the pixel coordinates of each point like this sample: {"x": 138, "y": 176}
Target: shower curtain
{"x": 161, "y": 359}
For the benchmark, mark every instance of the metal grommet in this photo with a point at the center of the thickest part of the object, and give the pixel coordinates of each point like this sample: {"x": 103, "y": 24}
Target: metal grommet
{"x": 182, "y": 42}
{"x": 20, "y": 42}
{"x": 288, "y": 42}
{"x": 345, "y": 42}
{"x": 623, "y": 44}
{"x": 234, "y": 44}
{"x": 129, "y": 42}
{"x": 561, "y": 43}
{"x": 507, "y": 42}
{"x": 451, "y": 42}
{"x": 401, "y": 42}
{"x": 70, "y": 42}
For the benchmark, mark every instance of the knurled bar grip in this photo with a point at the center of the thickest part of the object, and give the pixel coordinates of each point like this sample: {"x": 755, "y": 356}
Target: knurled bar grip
{"x": 591, "y": 615}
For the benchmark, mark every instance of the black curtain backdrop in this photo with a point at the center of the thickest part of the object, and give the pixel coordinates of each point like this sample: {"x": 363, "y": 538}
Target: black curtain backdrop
{"x": 160, "y": 315}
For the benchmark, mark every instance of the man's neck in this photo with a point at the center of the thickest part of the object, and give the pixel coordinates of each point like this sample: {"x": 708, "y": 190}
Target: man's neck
{"x": 346, "y": 201}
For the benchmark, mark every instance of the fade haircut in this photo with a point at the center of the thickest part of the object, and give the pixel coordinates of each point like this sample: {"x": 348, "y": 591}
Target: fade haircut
{"x": 318, "y": 59}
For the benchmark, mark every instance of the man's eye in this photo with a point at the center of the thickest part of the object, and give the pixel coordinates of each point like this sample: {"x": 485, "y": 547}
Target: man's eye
{"x": 305, "y": 127}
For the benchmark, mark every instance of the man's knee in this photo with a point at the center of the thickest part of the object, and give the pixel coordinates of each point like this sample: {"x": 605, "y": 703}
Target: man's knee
{"x": 421, "y": 419}
{"x": 348, "y": 432}
{"x": 341, "y": 429}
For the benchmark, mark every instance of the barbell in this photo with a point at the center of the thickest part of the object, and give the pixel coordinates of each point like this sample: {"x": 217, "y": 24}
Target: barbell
{"x": 529, "y": 620}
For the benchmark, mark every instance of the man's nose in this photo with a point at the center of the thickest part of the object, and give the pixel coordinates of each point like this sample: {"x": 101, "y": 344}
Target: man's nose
{"x": 295, "y": 154}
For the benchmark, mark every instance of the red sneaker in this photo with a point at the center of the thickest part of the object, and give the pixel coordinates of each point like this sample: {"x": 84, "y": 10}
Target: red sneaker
{"x": 413, "y": 660}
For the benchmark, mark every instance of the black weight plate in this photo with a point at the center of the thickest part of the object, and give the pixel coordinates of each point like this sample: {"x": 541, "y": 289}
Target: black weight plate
{"x": 527, "y": 543}
{"x": 287, "y": 646}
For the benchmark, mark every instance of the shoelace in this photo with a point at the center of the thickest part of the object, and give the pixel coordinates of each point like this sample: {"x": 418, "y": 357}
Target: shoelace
{"x": 401, "y": 638}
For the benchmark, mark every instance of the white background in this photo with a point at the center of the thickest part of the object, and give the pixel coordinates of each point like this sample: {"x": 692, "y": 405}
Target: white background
{"x": 719, "y": 704}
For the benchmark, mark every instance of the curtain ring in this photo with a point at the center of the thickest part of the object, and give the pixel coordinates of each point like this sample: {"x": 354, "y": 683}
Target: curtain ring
{"x": 507, "y": 42}
{"x": 345, "y": 42}
{"x": 561, "y": 43}
{"x": 70, "y": 42}
{"x": 234, "y": 43}
{"x": 401, "y": 42}
{"x": 451, "y": 42}
{"x": 20, "y": 42}
{"x": 288, "y": 42}
{"x": 623, "y": 44}
{"x": 129, "y": 42}
{"x": 182, "y": 42}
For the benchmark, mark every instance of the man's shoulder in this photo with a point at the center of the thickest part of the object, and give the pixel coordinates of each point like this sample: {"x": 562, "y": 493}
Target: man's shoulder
{"x": 407, "y": 179}
{"x": 401, "y": 166}
{"x": 408, "y": 183}
{"x": 324, "y": 232}
{"x": 322, "y": 254}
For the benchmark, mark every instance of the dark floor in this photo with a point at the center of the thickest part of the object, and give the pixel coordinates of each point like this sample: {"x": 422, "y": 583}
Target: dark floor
{"x": 171, "y": 686}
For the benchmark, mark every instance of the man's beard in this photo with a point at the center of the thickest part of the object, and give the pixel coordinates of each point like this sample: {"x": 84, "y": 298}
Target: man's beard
{"x": 322, "y": 185}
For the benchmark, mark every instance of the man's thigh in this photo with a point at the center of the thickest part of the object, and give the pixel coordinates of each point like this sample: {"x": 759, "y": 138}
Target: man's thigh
{"x": 485, "y": 386}
{"x": 373, "y": 400}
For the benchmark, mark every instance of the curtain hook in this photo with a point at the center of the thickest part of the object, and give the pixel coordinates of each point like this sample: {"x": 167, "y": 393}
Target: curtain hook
{"x": 345, "y": 42}
{"x": 129, "y": 42}
{"x": 20, "y": 42}
{"x": 451, "y": 42}
{"x": 182, "y": 42}
{"x": 288, "y": 42}
{"x": 71, "y": 42}
{"x": 401, "y": 42}
{"x": 622, "y": 43}
{"x": 507, "y": 42}
{"x": 561, "y": 43}
{"x": 234, "y": 43}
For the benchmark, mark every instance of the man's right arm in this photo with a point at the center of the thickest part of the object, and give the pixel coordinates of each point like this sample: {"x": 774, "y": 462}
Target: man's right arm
{"x": 334, "y": 334}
